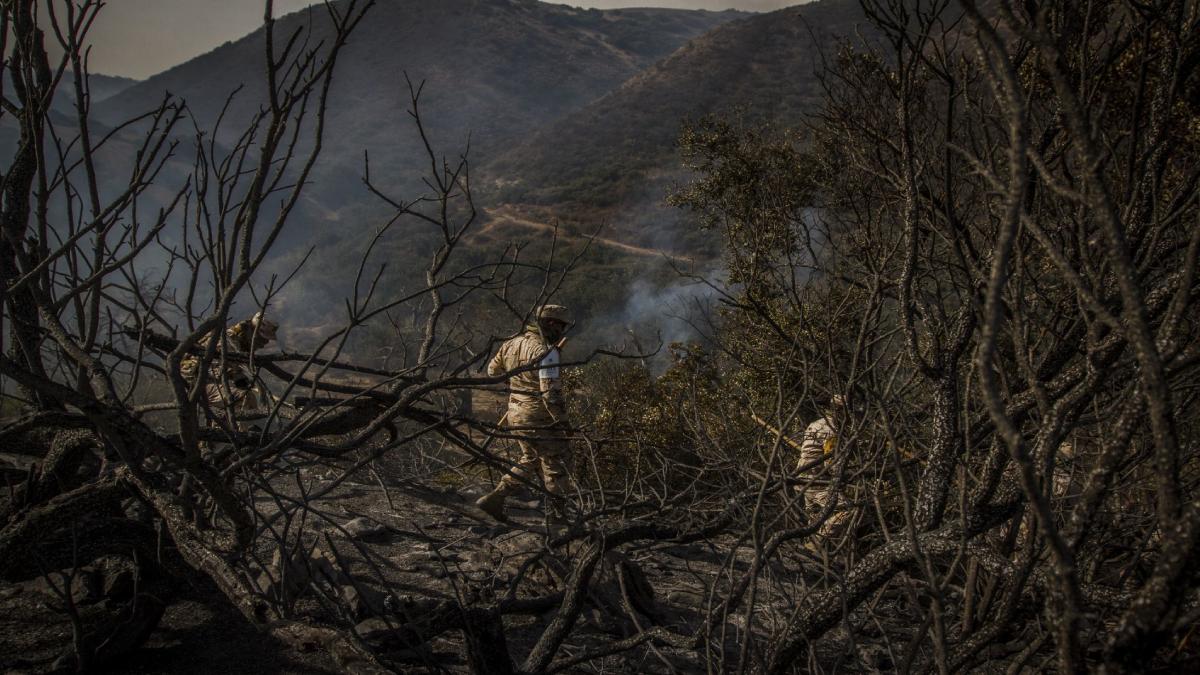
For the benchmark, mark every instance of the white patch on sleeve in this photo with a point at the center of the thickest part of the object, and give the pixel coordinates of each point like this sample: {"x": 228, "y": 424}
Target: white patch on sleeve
{"x": 549, "y": 366}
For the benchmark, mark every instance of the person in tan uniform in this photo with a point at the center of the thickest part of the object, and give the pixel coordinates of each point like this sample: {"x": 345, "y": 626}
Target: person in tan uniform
{"x": 232, "y": 386}
{"x": 537, "y": 413}
{"x": 820, "y": 441}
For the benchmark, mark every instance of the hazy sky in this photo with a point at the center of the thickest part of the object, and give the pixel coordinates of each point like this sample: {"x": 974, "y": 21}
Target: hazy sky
{"x": 138, "y": 38}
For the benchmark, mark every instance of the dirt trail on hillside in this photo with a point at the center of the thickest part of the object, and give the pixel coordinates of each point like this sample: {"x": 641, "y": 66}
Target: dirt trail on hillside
{"x": 505, "y": 215}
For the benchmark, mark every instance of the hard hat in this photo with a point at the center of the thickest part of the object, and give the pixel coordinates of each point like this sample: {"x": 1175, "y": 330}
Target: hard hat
{"x": 553, "y": 313}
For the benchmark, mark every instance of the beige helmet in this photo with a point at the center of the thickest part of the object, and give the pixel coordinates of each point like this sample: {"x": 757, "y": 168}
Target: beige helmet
{"x": 553, "y": 313}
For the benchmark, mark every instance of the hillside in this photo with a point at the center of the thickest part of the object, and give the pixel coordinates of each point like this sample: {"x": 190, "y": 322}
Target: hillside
{"x": 617, "y": 155}
{"x": 495, "y": 71}
{"x": 102, "y": 87}
{"x": 105, "y": 87}
{"x": 573, "y": 111}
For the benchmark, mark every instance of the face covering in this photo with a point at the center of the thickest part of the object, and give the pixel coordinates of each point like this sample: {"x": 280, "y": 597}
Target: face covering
{"x": 553, "y": 332}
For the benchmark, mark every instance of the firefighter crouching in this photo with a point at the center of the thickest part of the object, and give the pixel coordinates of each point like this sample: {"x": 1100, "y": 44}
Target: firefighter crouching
{"x": 537, "y": 413}
{"x": 233, "y": 386}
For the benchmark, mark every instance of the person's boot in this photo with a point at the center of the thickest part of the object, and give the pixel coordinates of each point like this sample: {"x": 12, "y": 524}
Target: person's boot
{"x": 492, "y": 504}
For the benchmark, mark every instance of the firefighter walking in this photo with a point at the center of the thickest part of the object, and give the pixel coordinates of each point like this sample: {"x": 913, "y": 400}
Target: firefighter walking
{"x": 537, "y": 414}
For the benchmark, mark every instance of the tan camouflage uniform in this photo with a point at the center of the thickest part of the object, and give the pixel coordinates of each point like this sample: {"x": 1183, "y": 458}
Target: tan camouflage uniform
{"x": 233, "y": 386}
{"x": 536, "y": 412}
{"x": 820, "y": 440}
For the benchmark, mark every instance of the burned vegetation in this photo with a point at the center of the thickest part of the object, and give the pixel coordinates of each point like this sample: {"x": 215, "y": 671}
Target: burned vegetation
{"x": 943, "y": 416}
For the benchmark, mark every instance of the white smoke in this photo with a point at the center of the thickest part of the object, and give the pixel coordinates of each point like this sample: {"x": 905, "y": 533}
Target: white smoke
{"x": 656, "y": 315}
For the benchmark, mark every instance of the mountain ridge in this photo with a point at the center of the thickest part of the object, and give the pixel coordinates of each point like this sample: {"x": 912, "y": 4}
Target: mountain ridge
{"x": 613, "y": 155}
{"x": 555, "y": 57}
{"x": 574, "y": 111}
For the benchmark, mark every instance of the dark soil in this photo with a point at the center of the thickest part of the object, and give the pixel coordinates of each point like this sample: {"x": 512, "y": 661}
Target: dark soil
{"x": 200, "y": 633}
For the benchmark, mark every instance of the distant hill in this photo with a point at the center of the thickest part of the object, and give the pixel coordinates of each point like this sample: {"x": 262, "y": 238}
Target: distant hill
{"x": 617, "y": 155}
{"x": 496, "y": 70}
{"x": 114, "y": 156}
{"x": 101, "y": 87}
{"x": 572, "y": 117}
{"x": 104, "y": 87}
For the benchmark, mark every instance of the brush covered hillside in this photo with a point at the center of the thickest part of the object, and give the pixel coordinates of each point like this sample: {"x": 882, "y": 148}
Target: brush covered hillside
{"x": 494, "y": 72}
{"x": 616, "y": 158}
{"x": 572, "y": 117}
